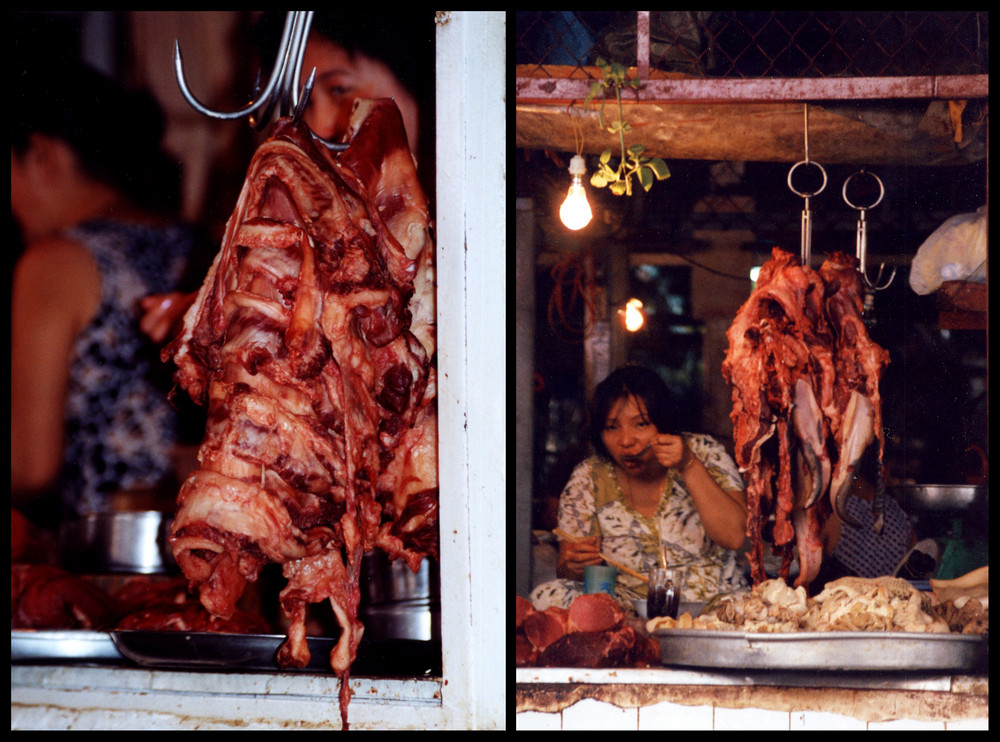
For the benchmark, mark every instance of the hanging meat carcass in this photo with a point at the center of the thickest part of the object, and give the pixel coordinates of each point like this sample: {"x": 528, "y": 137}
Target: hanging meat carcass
{"x": 312, "y": 343}
{"x": 806, "y": 403}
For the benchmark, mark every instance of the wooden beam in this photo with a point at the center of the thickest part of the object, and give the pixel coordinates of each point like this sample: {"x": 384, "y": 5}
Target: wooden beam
{"x": 554, "y": 85}
{"x": 758, "y": 132}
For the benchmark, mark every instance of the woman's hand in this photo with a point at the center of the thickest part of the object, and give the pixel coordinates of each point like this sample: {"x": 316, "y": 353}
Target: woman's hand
{"x": 162, "y": 314}
{"x": 671, "y": 451}
{"x": 723, "y": 513}
{"x": 574, "y": 556}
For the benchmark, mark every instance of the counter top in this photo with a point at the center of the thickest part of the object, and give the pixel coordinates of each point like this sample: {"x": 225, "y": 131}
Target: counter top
{"x": 673, "y": 698}
{"x": 99, "y": 697}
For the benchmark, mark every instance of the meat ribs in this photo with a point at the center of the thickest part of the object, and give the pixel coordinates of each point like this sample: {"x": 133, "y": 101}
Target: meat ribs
{"x": 312, "y": 344}
{"x": 805, "y": 380}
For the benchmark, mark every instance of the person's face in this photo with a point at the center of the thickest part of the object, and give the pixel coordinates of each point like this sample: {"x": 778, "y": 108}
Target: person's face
{"x": 628, "y": 433}
{"x": 35, "y": 185}
{"x": 342, "y": 79}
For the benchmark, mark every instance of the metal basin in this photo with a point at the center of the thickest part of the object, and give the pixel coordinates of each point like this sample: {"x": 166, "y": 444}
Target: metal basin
{"x": 936, "y": 497}
{"x": 397, "y": 603}
{"x": 126, "y": 541}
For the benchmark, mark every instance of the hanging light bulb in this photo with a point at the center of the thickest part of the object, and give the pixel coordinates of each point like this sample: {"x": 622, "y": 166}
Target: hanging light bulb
{"x": 634, "y": 317}
{"x": 575, "y": 211}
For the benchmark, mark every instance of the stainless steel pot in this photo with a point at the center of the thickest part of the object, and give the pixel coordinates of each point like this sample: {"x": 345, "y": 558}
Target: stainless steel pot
{"x": 124, "y": 541}
{"x": 397, "y": 603}
{"x": 936, "y": 497}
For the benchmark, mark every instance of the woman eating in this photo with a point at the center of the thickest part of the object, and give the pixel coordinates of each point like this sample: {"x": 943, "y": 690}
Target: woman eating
{"x": 649, "y": 492}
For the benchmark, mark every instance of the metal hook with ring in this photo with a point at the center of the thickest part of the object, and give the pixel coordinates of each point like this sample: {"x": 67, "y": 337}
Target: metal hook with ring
{"x": 806, "y": 237}
{"x": 862, "y": 234}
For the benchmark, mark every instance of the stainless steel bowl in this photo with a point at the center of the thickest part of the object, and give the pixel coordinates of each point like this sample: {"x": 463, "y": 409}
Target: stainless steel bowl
{"x": 937, "y": 497}
{"x": 125, "y": 541}
{"x": 397, "y": 603}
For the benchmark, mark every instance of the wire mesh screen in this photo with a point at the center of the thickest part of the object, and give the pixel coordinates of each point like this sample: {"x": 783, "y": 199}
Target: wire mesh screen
{"x": 755, "y": 44}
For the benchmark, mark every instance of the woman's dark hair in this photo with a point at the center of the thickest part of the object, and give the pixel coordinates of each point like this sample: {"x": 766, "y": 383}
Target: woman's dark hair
{"x": 114, "y": 132}
{"x": 631, "y": 381}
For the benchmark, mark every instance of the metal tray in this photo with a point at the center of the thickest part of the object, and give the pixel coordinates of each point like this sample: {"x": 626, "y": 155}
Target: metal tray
{"x": 822, "y": 650}
{"x": 192, "y": 650}
{"x": 189, "y": 650}
{"x": 31, "y": 645}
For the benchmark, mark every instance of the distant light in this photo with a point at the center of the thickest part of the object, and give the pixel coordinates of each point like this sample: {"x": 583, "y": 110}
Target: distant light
{"x": 575, "y": 212}
{"x": 633, "y": 315}
{"x": 754, "y": 272}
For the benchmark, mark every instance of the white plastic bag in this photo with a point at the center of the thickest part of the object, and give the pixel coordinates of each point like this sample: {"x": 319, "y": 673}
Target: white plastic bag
{"x": 955, "y": 251}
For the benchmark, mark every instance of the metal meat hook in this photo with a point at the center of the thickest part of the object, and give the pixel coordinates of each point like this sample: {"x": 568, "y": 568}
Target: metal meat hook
{"x": 806, "y": 237}
{"x": 862, "y": 236}
{"x": 282, "y": 87}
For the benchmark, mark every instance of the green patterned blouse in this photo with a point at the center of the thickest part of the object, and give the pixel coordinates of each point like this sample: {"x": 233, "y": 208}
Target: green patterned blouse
{"x": 593, "y": 495}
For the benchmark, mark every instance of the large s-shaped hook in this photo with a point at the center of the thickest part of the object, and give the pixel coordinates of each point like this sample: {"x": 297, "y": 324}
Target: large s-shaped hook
{"x": 282, "y": 87}
{"x": 862, "y": 236}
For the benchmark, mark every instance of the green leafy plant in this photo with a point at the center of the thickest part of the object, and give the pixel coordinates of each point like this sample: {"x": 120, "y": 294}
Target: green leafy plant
{"x": 633, "y": 161}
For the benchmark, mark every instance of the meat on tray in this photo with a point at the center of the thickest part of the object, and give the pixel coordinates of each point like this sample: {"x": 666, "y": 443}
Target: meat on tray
{"x": 591, "y": 633}
{"x": 806, "y": 404}
{"x": 311, "y": 342}
{"x": 47, "y": 597}
{"x": 166, "y": 605}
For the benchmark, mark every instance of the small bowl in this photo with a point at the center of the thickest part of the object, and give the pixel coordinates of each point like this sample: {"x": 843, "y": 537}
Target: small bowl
{"x": 125, "y": 541}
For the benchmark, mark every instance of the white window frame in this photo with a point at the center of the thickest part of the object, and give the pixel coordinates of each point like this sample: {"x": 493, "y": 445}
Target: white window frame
{"x": 471, "y": 251}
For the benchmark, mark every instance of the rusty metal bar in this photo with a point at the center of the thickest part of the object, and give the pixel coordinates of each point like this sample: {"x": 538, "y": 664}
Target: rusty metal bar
{"x": 724, "y": 90}
{"x": 642, "y": 43}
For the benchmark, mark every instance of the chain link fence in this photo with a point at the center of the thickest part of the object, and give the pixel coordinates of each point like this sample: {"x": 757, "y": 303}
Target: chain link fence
{"x": 758, "y": 44}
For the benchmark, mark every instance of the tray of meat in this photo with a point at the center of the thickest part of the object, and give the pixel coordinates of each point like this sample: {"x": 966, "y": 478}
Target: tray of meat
{"x": 193, "y": 650}
{"x": 70, "y": 645}
{"x": 822, "y": 650}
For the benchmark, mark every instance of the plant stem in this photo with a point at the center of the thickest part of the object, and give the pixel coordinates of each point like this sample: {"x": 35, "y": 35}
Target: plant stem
{"x": 621, "y": 137}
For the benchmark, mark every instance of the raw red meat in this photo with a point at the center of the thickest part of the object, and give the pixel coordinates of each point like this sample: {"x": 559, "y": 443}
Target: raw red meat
{"x": 544, "y": 627}
{"x": 312, "y": 344}
{"x": 46, "y": 597}
{"x": 166, "y": 605}
{"x": 522, "y": 609}
{"x": 801, "y": 366}
{"x": 620, "y": 647}
{"x": 596, "y": 612}
{"x": 591, "y": 633}
{"x": 525, "y": 653}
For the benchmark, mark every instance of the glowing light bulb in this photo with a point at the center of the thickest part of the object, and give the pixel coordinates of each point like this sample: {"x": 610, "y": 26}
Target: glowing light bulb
{"x": 575, "y": 211}
{"x": 633, "y": 315}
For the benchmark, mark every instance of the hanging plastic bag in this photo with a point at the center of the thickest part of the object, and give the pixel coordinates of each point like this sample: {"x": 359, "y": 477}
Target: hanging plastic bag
{"x": 955, "y": 251}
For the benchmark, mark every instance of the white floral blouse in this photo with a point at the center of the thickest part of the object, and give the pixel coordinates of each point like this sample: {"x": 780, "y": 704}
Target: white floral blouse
{"x": 594, "y": 495}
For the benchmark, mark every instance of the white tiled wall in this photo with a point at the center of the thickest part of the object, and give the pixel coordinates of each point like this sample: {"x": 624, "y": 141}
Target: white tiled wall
{"x": 593, "y": 714}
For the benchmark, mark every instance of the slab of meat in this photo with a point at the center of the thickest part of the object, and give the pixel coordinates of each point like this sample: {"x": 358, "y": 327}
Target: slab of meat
{"x": 47, "y": 597}
{"x": 591, "y": 633}
{"x": 522, "y": 609}
{"x": 544, "y": 627}
{"x": 312, "y": 343}
{"x": 801, "y": 365}
{"x": 621, "y": 647}
{"x": 595, "y": 612}
{"x": 166, "y": 605}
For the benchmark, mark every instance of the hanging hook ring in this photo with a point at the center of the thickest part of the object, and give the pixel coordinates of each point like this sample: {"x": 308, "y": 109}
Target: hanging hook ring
{"x": 881, "y": 191}
{"x": 862, "y": 239}
{"x": 806, "y": 194}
